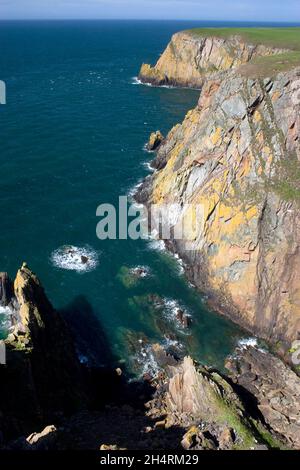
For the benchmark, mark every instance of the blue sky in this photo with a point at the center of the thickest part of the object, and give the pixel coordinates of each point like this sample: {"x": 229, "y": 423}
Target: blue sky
{"x": 248, "y": 10}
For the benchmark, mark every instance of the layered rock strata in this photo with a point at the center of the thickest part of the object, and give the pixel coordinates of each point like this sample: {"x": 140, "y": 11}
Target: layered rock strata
{"x": 236, "y": 158}
{"x": 190, "y": 58}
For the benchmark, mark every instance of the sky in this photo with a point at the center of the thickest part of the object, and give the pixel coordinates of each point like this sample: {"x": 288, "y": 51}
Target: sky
{"x": 240, "y": 10}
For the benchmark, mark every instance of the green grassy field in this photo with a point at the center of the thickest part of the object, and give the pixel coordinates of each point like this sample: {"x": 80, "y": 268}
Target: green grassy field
{"x": 282, "y": 38}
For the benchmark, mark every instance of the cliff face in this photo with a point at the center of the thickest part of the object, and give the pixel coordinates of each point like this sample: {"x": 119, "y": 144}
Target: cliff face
{"x": 42, "y": 377}
{"x": 189, "y": 59}
{"x": 237, "y": 156}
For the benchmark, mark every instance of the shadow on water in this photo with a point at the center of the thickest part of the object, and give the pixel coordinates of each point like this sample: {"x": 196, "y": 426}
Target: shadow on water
{"x": 95, "y": 352}
{"x": 91, "y": 341}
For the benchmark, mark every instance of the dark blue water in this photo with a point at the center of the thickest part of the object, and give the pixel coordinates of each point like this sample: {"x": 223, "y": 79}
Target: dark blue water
{"x": 72, "y": 136}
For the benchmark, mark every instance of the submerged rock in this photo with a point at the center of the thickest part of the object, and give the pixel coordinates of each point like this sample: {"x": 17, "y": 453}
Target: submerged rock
{"x": 130, "y": 277}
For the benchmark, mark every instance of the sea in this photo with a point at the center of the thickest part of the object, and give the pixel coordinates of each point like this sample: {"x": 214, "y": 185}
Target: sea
{"x": 73, "y": 133}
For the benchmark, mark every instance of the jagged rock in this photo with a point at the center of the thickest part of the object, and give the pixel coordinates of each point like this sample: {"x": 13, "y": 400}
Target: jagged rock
{"x": 43, "y": 440}
{"x": 275, "y": 387}
{"x": 206, "y": 403}
{"x": 155, "y": 140}
{"x": 111, "y": 447}
{"x": 194, "y": 439}
{"x": 183, "y": 318}
{"x": 162, "y": 357}
{"x": 227, "y": 438}
{"x": 42, "y": 377}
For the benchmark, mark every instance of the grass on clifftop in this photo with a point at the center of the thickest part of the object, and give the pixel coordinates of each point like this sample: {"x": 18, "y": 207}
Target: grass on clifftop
{"x": 282, "y": 38}
{"x": 286, "y": 38}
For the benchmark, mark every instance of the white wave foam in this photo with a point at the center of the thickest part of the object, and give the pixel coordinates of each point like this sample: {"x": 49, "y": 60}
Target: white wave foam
{"x": 150, "y": 365}
{"x": 5, "y": 318}
{"x": 145, "y": 148}
{"x": 83, "y": 359}
{"x": 137, "y": 81}
{"x": 168, "y": 342}
{"x": 144, "y": 361}
{"x": 245, "y": 342}
{"x": 132, "y": 191}
{"x": 141, "y": 271}
{"x": 171, "y": 309}
{"x": 148, "y": 166}
{"x": 80, "y": 259}
{"x": 180, "y": 263}
{"x": 157, "y": 245}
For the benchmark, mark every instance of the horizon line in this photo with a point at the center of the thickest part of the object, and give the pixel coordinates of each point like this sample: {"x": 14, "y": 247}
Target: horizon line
{"x": 297, "y": 22}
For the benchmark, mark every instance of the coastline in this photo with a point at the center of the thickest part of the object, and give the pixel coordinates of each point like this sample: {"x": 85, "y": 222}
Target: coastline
{"x": 174, "y": 171}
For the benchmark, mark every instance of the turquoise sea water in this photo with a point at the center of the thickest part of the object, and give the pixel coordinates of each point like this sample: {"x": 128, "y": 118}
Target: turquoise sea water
{"x": 72, "y": 137}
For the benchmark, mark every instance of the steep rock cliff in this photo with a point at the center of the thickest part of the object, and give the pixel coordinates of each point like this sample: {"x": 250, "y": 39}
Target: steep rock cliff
{"x": 236, "y": 156}
{"x": 190, "y": 58}
{"x": 42, "y": 378}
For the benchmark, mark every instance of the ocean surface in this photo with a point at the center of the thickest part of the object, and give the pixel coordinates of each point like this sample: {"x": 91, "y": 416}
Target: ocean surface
{"x": 72, "y": 137}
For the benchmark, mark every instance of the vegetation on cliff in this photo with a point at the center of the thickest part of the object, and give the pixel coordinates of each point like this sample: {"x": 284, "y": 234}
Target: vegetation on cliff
{"x": 237, "y": 155}
{"x": 195, "y": 54}
{"x": 275, "y": 37}
{"x": 281, "y": 38}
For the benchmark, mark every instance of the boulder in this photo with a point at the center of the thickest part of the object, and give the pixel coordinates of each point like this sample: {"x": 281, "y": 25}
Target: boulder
{"x": 155, "y": 140}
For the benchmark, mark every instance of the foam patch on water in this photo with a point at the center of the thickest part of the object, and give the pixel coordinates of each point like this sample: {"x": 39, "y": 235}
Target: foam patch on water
{"x": 149, "y": 363}
{"x": 145, "y": 148}
{"x": 180, "y": 263}
{"x": 74, "y": 258}
{"x": 137, "y": 81}
{"x": 245, "y": 342}
{"x": 157, "y": 245}
{"x": 140, "y": 271}
{"x": 169, "y": 343}
{"x": 148, "y": 167}
{"x": 144, "y": 361}
{"x": 132, "y": 191}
